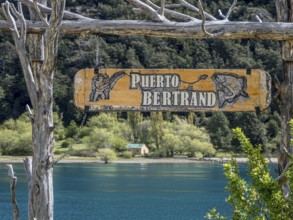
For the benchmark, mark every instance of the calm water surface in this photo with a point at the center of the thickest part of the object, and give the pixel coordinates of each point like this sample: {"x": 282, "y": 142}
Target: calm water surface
{"x": 126, "y": 191}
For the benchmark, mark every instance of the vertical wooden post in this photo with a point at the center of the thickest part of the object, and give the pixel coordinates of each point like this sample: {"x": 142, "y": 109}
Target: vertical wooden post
{"x": 40, "y": 171}
{"x": 13, "y": 180}
{"x": 284, "y": 14}
{"x": 27, "y": 162}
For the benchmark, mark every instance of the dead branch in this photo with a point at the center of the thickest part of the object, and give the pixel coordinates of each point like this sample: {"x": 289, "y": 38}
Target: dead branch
{"x": 155, "y": 16}
{"x": 20, "y": 39}
{"x": 258, "y": 18}
{"x": 282, "y": 175}
{"x": 13, "y": 180}
{"x": 197, "y": 10}
{"x": 162, "y": 7}
{"x": 172, "y": 6}
{"x": 46, "y": 10}
{"x": 202, "y": 14}
{"x": 173, "y": 14}
{"x": 226, "y": 17}
{"x": 39, "y": 13}
{"x": 51, "y": 35}
{"x": 30, "y": 114}
{"x": 6, "y": 8}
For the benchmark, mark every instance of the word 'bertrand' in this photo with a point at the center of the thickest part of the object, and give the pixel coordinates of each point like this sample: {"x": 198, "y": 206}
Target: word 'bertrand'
{"x": 162, "y": 90}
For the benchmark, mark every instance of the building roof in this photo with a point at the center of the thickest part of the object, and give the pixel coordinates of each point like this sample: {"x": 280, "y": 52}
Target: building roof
{"x": 135, "y": 145}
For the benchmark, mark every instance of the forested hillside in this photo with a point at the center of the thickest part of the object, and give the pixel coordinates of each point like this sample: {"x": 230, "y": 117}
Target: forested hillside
{"x": 77, "y": 52}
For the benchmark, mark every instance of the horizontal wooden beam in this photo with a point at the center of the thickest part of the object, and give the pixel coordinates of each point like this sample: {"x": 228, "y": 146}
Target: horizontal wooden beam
{"x": 228, "y": 29}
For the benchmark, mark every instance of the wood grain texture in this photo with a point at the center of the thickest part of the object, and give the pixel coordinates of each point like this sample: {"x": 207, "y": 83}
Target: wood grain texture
{"x": 231, "y": 90}
{"x": 230, "y": 30}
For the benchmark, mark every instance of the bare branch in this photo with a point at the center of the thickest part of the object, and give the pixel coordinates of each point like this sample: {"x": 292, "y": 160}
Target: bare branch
{"x": 30, "y": 114}
{"x": 20, "y": 17}
{"x": 282, "y": 175}
{"x": 230, "y": 9}
{"x": 39, "y": 13}
{"x": 173, "y": 14}
{"x": 44, "y": 9}
{"x": 195, "y": 9}
{"x": 19, "y": 39}
{"x": 202, "y": 14}
{"x": 13, "y": 180}
{"x": 6, "y": 7}
{"x": 148, "y": 10}
{"x": 221, "y": 14}
{"x": 226, "y": 17}
{"x": 258, "y": 18}
{"x": 162, "y": 7}
{"x": 172, "y": 6}
{"x": 51, "y": 36}
{"x": 286, "y": 152}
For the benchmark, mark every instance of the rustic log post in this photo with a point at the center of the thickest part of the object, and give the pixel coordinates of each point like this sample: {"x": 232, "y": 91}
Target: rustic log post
{"x": 38, "y": 65}
{"x": 13, "y": 180}
{"x": 284, "y": 14}
{"x": 27, "y": 162}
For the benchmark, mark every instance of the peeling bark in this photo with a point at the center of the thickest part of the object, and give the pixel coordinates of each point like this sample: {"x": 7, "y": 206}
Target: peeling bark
{"x": 13, "y": 180}
{"x": 192, "y": 29}
{"x": 284, "y": 9}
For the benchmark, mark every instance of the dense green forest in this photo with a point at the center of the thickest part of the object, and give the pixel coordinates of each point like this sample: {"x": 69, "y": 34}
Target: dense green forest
{"x": 167, "y": 134}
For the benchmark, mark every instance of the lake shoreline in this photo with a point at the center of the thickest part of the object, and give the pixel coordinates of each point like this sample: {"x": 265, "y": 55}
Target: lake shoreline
{"x": 14, "y": 159}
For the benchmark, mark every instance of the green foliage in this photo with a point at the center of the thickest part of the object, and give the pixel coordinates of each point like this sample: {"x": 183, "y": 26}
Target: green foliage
{"x": 66, "y": 143}
{"x": 16, "y": 136}
{"x": 71, "y": 130}
{"x": 126, "y": 154}
{"x": 263, "y": 197}
{"x": 157, "y": 127}
{"x": 198, "y": 155}
{"x": 220, "y": 133}
{"x": 252, "y": 126}
{"x": 134, "y": 118}
{"x": 107, "y": 155}
{"x": 105, "y": 131}
{"x": 181, "y": 137}
{"x": 148, "y": 52}
{"x": 213, "y": 214}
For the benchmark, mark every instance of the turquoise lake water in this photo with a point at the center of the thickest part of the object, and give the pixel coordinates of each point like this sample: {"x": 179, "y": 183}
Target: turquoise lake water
{"x": 127, "y": 191}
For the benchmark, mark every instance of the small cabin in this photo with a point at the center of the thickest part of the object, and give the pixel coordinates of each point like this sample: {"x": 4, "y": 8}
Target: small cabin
{"x": 138, "y": 149}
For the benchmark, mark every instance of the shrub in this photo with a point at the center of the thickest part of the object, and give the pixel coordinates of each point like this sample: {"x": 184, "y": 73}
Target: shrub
{"x": 262, "y": 196}
{"x": 126, "y": 154}
{"x": 107, "y": 154}
{"x": 84, "y": 153}
{"x": 17, "y": 151}
{"x": 66, "y": 143}
{"x": 198, "y": 155}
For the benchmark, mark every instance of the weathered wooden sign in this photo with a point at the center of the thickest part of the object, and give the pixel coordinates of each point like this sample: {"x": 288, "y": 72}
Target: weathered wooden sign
{"x": 172, "y": 90}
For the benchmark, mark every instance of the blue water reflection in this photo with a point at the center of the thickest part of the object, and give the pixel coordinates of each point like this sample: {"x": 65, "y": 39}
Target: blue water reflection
{"x": 127, "y": 191}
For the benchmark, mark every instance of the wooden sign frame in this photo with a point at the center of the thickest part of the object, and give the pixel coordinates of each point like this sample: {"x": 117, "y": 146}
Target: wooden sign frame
{"x": 184, "y": 90}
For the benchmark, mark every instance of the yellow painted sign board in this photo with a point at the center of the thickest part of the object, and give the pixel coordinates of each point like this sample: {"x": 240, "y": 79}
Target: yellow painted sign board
{"x": 231, "y": 90}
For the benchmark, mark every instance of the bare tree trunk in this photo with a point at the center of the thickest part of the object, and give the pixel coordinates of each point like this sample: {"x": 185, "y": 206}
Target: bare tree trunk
{"x": 13, "y": 180}
{"x": 38, "y": 67}
{"x": 284, "y": 9}
{"x": 41, "y": 194}
{"x": 27, "y": 162}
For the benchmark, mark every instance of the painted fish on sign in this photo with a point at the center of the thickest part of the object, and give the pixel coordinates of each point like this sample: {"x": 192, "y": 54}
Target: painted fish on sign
{"x": 172, "y": 90}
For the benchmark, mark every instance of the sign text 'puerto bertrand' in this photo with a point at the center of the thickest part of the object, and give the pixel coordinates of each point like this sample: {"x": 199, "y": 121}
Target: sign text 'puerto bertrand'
{"x": 163, "y": 90}
{"x": 172, "y": 90}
